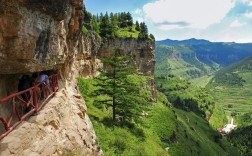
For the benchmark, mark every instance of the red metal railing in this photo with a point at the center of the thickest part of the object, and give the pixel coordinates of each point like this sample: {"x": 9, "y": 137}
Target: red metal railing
{"x": 25, "y": 103}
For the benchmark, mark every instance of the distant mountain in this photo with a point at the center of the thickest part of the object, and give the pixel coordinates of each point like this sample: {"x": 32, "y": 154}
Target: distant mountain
{"x": 194, "y": 58}
{"x": 191, "y": 41}
{"x": 223, "y": 53}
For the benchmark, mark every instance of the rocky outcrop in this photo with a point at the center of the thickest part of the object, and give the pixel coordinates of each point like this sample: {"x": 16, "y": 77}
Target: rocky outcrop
{"x": 39, "y": 35}
{"x": 35, "y": 35}
{"x": 143, "y": 52}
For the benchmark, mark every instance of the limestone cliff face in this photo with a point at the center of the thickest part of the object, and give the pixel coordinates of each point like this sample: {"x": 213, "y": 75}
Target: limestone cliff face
{"x": 143, "y": 52}
{"x": 38, "y": 35}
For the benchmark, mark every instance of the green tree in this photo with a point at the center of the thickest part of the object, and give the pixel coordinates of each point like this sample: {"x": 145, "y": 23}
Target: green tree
{"x": 143, "y": 31}
{"x": 152, "y": 37}
{"x": 95, "y": 25}
{"x": 120, "y": 88}
{"x": 107, "y": 30}
{"x": 114, "y": 24}
{"x": 137, "y": 26}
{"x": 129, "y": 20}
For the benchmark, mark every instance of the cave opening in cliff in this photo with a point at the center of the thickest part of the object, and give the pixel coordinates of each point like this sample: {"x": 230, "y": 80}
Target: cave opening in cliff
{"x": 9, "y": 82}
{"x": 12, "y": 103}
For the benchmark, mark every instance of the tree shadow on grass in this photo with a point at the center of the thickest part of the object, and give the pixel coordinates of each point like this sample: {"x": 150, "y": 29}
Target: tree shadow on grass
{"x": 94, "y": 118}
{"x": 129, "y": 126}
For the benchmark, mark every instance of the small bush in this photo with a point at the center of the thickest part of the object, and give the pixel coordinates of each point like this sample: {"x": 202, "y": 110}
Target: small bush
{"x": 230, "y": 106}
{"x": 120, "y": 145}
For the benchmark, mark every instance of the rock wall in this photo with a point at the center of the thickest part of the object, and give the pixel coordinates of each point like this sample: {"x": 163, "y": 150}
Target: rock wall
{"x": 35, "y": 35}
{"x": 39, "y": 35}
{"x": 143, "y": 52}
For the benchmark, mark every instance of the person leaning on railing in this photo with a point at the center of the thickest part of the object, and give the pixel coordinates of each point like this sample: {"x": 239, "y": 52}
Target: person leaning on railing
{"x": 44, "y": 80}
{"x": 43, "y": 77}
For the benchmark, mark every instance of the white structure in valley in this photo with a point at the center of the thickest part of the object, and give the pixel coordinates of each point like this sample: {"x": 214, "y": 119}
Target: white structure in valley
{"x": 229, "y": 127}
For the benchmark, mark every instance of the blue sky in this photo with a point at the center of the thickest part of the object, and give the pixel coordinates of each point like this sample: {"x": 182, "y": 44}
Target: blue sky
{"x": 215, "y": 20}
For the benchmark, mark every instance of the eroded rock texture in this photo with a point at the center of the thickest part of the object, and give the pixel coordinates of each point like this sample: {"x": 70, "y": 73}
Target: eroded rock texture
{"x": 38, "y": 35}
{"x": 60, "y": 128}
{"x": 143, "y": 52}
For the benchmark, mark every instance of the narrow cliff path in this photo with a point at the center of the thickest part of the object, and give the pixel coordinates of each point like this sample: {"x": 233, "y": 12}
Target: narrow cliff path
{"x": 61, "y": 126}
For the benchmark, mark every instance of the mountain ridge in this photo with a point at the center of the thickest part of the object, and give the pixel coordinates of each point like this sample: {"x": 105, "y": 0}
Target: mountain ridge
{"x": 195, "y": 58}
{"x": 192, "y": 41}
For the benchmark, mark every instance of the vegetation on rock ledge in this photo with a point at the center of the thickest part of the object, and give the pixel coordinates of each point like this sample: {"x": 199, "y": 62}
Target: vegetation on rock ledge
{"x": 115, "y": 25}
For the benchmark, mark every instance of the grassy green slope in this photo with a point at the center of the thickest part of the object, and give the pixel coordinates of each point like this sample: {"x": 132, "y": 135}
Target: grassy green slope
{"x": 201, "y": 81}
{"x": 231, "y": 88}
{"x": 185, "y": 133}
{"x": 179, "y": 60}
{"x": 128, "y": 32}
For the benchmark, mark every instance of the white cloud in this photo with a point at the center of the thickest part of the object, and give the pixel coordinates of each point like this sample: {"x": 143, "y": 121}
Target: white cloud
{"x": 138, "y": 11}
{"x": 248, "y": 15}
{"x": 229, "y": 35}
{"x": 243, "y": 1}
{"x": 139, "y": 19}
{"x": 170, "y": 14}
{"x": 237, "y": 23}
{"x": 250, "y": 3}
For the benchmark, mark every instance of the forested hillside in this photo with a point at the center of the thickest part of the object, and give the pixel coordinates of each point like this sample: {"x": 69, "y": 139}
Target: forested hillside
{"x": 241, "y": 138}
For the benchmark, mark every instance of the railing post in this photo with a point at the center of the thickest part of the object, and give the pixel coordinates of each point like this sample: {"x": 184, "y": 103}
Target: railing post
{"x": 53, "y": 85}
{"x": 35, "y": 102}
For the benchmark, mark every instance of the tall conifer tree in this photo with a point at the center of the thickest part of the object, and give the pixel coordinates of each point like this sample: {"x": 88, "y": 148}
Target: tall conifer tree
{"x": 118, "y": 88}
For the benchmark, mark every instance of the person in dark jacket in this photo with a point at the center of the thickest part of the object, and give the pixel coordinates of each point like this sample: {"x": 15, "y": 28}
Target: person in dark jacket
{"x": 24, "y": 83}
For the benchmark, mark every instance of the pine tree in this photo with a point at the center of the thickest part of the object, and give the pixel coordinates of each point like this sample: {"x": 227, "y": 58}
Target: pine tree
{"x": 107, "y": 30}
{"x": 114, "y": 24}
{"x": 122, "y": 20}
{"x": 137, "y": 26}
{"x": 152, "y": 37}
{"x": 143, "y": 31}
{"x": 118, "y": 88}
{"x": 95, "y": 25}
{"x": 129, "y": 20}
